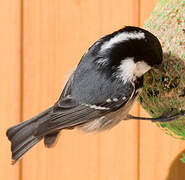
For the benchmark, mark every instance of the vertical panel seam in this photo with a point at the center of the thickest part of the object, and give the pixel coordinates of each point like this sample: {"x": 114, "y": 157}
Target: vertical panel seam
{"x": 139, "y": 124}
{"x": 21, "y": 72}
{"x": 99, "y": 139}
{"x": 139, "y": 12}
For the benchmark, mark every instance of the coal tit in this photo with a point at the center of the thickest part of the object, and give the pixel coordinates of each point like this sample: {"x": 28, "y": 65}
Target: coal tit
{"x": 99, "y": 93}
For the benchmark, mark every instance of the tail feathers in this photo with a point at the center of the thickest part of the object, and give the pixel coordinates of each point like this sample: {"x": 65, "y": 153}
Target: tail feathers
{"x": 21, "y": 135}
{"x": 13, "y": 130}
{"x": 20, "y": 150}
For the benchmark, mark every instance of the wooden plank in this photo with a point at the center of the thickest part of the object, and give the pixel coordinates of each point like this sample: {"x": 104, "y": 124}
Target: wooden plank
{"x": 55, "y": 37}
{"x": 146, "y": 8}
{"x": 119, "y": 146}
{"x": 119, "y": 151}
{"x": 160, "y": 154}
{"x": 10, "y": 82}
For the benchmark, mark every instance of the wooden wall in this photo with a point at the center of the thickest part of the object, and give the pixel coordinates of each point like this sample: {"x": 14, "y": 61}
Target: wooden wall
{"x": 40, "y": 42}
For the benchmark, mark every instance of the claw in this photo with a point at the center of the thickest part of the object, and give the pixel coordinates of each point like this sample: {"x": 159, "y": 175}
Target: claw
{"x": 163, "y": 118}
{"x": 167, "y": 118}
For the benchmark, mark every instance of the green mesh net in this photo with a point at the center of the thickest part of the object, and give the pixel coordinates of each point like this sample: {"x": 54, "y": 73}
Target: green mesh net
{"x": 165, "y": 88}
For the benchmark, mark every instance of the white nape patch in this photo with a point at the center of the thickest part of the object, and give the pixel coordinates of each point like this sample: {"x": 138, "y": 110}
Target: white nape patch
{"x": 129, "y": 70}
{"x": 121, "y": 37}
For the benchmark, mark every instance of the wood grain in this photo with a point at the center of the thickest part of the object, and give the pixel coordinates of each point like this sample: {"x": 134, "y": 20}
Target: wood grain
{"x": 10, "y": 82}
{"x": 54, "y": 41}
{"x": 119, "y": 146}
{"x": 160, "y": 154}
{"x": 56, "y": 34}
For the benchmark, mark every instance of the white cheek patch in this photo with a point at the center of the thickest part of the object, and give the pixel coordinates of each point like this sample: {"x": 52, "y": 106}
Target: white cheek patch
{"x": 126, "y": 69}
{"x": 121, "y": 37}
{"x": 129, "y": 70}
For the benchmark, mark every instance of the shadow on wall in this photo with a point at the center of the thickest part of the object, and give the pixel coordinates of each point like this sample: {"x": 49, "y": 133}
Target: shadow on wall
{"x": 177, "y": 169}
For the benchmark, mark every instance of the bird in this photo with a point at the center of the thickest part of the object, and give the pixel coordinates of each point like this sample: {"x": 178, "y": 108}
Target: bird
{"x": 99, "y": 93}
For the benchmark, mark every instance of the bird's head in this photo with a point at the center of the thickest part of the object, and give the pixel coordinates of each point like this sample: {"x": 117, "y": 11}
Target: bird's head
{"x": 128, "y": 53}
